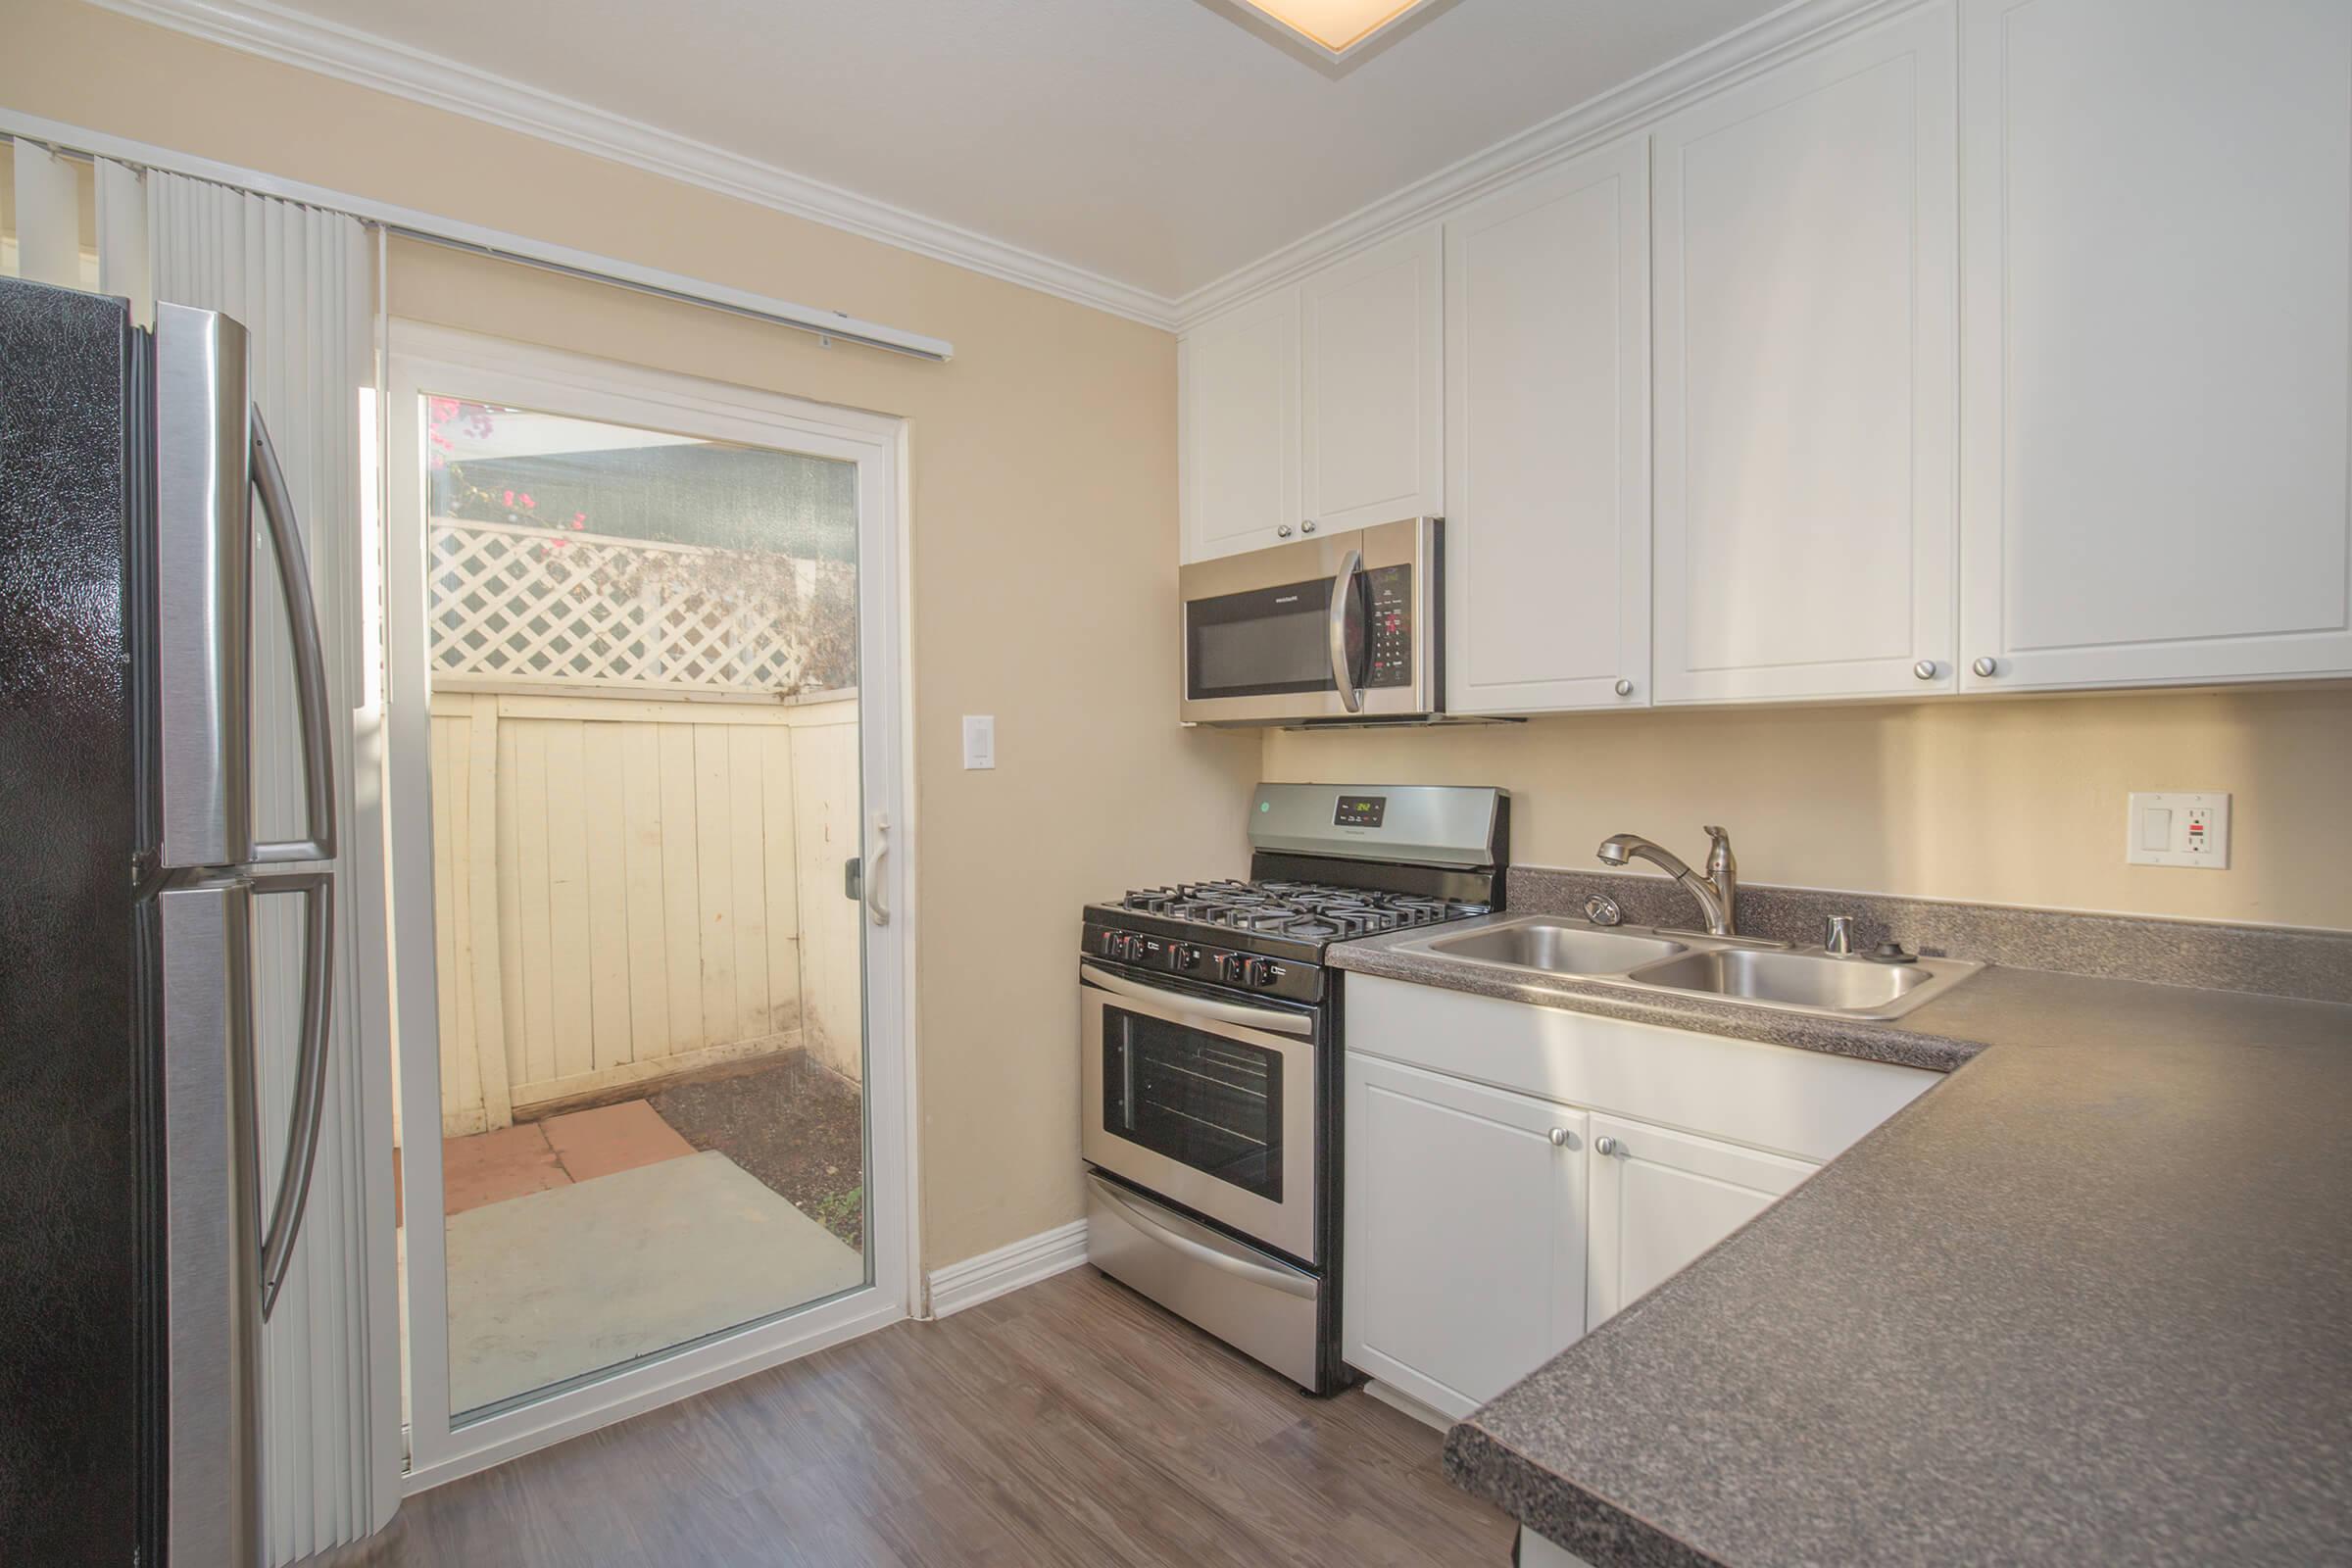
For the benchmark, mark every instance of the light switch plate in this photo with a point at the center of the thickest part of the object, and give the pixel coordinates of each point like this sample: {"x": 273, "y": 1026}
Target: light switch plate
{"x": 979, "y": 740}
{"x": 2178, "y": 828}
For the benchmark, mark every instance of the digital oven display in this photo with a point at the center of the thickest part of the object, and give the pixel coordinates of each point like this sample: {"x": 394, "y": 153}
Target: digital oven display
{"x": 1360, "y": 811}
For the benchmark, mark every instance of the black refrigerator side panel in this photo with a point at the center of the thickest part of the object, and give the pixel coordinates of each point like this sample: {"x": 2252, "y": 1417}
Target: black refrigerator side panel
{"x": 75, "y": 1308}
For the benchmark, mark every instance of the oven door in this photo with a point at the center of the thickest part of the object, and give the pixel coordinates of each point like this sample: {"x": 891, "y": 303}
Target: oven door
{"x": 1209, "y": 1103}
{"x": 1338, "y": 627}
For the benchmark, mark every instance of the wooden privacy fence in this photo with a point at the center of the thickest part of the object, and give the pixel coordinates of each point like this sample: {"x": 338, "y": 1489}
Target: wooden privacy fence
{"x": 628, "y": 889}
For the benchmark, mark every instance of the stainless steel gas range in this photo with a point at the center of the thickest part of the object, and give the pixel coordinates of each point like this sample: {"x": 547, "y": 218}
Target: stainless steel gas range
{"x": 1210, "y": 1039}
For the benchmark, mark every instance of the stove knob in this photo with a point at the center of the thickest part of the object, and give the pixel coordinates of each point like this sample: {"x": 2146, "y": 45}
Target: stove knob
{"x": 1187, "y": 955}
{"x": 1261, "y": 973}
{"x": 1229, "y": 968}
{"x": 1110, "y": 944}
{"x": 1133, "y": 949}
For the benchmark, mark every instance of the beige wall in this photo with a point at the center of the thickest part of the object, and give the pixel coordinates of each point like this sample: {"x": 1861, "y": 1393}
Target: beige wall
{"x": 2014, "y": 802}
{"x": 1044, "y": 551}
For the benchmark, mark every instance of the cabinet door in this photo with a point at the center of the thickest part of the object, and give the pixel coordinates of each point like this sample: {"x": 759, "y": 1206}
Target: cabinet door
{"x": 1464, "y": 1256}
{"x": 1548, "y": 440}
{"x": 1238, "y": 439}
{"x": 1660, "y": 1199}
{"x": 2159, "y": 341}
{"x": 1373, "y": 329}
{"x": 1805, "y": 252}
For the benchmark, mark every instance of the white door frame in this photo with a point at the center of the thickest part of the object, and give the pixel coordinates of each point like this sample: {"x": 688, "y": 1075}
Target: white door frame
{"x": 427, "y": 359}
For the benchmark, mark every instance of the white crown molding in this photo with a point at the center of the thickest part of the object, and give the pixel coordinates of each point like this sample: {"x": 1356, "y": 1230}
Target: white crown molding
{"x": 261, "y": 28}
{"x": 274, "y": 33}
{"x": 1770, "y": 39}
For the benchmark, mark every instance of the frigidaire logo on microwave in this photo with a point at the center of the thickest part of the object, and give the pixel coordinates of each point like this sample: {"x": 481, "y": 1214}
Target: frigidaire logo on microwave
{"x": 1288, "y": 599}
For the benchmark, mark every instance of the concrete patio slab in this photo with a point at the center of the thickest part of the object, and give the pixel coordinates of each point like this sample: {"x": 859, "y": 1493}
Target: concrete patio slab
{"x": 599, "y": 1273}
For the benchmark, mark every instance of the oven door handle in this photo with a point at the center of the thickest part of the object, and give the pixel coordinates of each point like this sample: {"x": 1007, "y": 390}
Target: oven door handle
{"x": 1286, "y": 1280}
{"x": 1342, "y": 599}
{"x": 1283, "y": 1023}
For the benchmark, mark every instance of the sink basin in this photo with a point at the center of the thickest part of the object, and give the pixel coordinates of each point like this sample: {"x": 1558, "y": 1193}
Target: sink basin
{"x": 1556, "y": 948}
{"x": 1811, "y": 982}
{"x": 1755, "y": 971}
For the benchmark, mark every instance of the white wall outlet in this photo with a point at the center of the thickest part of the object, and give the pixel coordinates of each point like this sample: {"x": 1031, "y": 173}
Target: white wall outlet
{"x": 979, "y": 740}
{"x": 2178, "y": 828}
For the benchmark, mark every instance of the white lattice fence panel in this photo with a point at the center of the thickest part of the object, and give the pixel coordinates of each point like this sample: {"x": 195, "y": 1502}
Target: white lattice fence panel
{"x": 544, "y": 605}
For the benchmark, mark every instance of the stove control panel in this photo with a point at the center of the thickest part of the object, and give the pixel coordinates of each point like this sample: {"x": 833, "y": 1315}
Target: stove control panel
{"x": 1286, "y": 978}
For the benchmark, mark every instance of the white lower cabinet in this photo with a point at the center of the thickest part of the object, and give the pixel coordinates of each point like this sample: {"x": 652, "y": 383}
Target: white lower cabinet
{"x": 1515, "y": 1175}
{"x": 1465, "y": 1200}
{"x": 1659, "y": 1198}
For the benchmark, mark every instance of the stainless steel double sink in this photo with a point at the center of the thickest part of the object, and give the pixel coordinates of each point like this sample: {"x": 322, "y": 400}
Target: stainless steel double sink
{"x": 1763, "y": 974}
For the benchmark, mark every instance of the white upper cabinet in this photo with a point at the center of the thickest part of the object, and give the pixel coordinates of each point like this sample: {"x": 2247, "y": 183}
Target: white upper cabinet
{"x": 2158, "y": 352}
{"x": 1238, "y": 438}
{"x": 1548, "y": 440}
{"x": 1806, "y": 383}
{"x": 1373, "y": 334}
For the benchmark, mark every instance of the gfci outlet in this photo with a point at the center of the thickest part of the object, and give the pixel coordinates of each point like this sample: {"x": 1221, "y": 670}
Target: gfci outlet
{"x": 2178, "y": 828}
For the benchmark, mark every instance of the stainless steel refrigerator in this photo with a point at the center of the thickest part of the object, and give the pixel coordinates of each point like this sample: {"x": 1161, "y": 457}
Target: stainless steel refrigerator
{"x": 136, "y": 1263}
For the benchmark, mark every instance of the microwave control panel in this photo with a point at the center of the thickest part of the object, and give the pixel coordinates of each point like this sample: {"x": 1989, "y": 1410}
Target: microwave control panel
{"x": 1392, "y": 651}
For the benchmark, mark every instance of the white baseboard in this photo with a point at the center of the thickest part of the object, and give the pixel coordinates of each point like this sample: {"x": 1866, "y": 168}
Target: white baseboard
{"x": 953, "y": 1286}
{"x": 1396, "y": 1398}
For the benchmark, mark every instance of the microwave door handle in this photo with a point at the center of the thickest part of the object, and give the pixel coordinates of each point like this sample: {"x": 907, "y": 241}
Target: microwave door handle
{"x": 1342, "y": 599}
{"x": 309, "y": 659}
{"x": 318, "y": 890}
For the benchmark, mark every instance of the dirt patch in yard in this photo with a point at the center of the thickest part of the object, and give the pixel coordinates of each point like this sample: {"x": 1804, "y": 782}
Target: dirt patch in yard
{"x": 799, "y": 1128}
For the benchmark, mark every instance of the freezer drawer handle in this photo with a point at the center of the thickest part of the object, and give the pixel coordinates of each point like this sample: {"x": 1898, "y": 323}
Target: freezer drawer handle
{"x": 1273, "y": 1279}
{"x": 309, "y": 659}
{"x": 317, "y": 889}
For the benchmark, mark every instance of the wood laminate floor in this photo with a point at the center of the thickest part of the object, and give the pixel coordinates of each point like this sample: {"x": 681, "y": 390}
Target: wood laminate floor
{"x": 1070, "y": 1423}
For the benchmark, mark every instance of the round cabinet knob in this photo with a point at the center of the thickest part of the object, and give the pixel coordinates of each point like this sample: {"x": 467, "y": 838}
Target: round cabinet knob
{"x": 1562, "y": 1138}
{"x": 1924, "y": 669}
{"x": 1624, "y": 688}
{"x": 1986, "y": 667}
{"x": 1283, "y": 532}
{"x": 1308, "y": 526}
{"x": 1607, "y": 1145}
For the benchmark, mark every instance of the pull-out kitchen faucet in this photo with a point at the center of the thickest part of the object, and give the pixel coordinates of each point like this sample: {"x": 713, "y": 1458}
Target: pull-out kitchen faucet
{"x": 1714, "y": 892}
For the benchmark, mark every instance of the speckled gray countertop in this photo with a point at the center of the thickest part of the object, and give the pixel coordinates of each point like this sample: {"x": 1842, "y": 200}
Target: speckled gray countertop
{"x": 2088, "y": 1300}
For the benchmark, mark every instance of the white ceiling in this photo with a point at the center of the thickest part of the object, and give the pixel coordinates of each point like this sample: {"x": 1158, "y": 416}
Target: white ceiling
{"x": 1157, "y": 143}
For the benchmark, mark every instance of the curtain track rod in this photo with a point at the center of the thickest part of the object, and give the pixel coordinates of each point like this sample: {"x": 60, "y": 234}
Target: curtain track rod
{"x": 73, "y": 141}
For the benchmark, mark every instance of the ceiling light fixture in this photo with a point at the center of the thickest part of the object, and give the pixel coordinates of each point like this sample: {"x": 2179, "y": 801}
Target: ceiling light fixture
{"x": 1337, "y": 28}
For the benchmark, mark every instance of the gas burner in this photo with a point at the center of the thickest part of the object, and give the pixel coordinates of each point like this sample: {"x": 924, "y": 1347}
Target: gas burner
{"x": 1297, "y": 911}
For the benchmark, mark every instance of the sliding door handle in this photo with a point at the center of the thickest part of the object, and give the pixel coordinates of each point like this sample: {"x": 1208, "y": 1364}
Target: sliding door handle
{"x": 309, "y": 659}
{"x": 875, "y": 910}
{"x": 317, "y": 889}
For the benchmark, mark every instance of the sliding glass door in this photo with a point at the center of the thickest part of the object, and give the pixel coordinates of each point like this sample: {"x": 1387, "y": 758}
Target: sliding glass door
{"x": 649, "y": 1134}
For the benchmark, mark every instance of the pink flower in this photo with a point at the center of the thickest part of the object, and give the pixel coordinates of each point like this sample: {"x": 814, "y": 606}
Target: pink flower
{"x": 510, "y": 497}
{"x": 527, "y": 499}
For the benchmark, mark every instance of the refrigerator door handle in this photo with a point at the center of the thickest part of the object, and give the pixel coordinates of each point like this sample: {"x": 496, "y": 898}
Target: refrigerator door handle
{"x": 310, "y": 660}
{"x": 317, "y": 889}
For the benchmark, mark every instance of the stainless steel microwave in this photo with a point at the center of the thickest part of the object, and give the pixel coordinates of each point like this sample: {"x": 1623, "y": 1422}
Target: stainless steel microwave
{"x": 1340, "y": 629}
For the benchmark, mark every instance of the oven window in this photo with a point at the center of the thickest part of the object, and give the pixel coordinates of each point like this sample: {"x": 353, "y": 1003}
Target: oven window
{"x": 1198, "y": 1097}
{"x": 1261, "y": 643}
